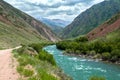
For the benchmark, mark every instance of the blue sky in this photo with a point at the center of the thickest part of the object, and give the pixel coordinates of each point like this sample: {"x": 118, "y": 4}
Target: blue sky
{"x": 53, "y": 9}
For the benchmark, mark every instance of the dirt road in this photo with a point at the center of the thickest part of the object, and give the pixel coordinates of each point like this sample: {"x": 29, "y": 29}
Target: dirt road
{"x": 7, "y": 66}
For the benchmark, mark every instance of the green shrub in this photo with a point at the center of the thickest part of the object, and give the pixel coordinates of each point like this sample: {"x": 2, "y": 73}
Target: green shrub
{"x": 43, "y": 55}
{"x": 92, "y": 53}
{"x": 96, "y": 78}
{"x": 20, "y": 69}
{"x": 28, "y": 73}
{"x": 25, "y": 72}
{"x": 63, "y": 45}
{"x": 32, "y": 78}
{"x": 81, "y": 39}
{"x": 22, "y": 61}
{"x": 68, "y": 51}
{"x": 106, "y": 56}
{"x": 21, "y": 50}
{"x": 115, "y": 55}
{"x": 78, "y": 52}
{"x": 116, "y": 52}
{"x": 45, "y": 76}
{"x": 38, "y": 47}
{"x": 98, "y": 46}
{"x": 97, "y": 56}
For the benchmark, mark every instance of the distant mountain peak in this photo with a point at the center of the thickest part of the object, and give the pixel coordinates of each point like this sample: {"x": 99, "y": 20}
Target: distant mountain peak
{"x": 56, "y": 25}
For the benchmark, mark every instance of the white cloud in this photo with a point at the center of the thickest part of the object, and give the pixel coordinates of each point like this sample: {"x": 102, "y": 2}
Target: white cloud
{"x": 97, "y": 1}
{"x": 53, "y": 9}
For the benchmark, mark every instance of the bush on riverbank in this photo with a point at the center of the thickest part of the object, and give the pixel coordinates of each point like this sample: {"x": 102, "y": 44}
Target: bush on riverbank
{"x": 107, "y": 48}
{"x": 96, "y": 78}
{"x": 43, "y": 55}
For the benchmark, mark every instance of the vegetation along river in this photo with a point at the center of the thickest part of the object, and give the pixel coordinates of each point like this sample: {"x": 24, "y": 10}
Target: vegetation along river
{"x": 81, "y": 69}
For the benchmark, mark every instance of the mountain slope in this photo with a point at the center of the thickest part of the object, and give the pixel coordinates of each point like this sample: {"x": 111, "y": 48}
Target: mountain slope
{"x": 102, "y": 30}
{"x": 61, "y": 23}
{"x": 91, "y": 18}
{"x": 56, "y": 25}
{"x": 56, "y": 28}
{"x": 17, "y": 27}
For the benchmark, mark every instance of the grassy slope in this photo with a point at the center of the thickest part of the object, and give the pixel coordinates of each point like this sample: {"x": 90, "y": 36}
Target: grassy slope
{"x": 17, "y": 27}
{"x": 10, "y": 36}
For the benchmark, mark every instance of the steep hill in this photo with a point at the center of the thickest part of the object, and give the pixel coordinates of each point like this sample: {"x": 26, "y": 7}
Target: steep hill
{"x": 17, "y": 27}
{"x": 91, "y": 18}
{"x": 102, "y": 30}
{"x": 61, "y": 23}
{"x": 56, "y": 25}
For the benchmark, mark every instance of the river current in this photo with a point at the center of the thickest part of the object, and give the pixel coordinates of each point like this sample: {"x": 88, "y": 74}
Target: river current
{"x": 81, "y": 68}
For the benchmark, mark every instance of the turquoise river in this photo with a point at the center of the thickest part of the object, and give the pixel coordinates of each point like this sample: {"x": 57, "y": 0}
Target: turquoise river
{"x": 81, "y": 69}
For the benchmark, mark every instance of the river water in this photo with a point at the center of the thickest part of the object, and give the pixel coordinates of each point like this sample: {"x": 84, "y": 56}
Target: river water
{"x": 81, "y": 69}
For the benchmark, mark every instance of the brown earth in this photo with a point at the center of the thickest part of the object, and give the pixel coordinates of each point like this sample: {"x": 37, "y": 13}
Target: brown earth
{"x": 105, "y": 28}
{"x": 8, "y": 65}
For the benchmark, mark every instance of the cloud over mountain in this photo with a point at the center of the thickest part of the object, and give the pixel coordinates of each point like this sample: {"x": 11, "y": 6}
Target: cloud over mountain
{"x": 60, "y": 9}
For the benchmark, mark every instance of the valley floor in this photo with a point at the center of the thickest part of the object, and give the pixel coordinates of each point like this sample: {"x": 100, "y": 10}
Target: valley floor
{"x": 7, "y": 66}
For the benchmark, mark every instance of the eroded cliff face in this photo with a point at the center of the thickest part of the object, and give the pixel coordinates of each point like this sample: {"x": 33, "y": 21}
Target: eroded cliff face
{"x": 44, "y": 31}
